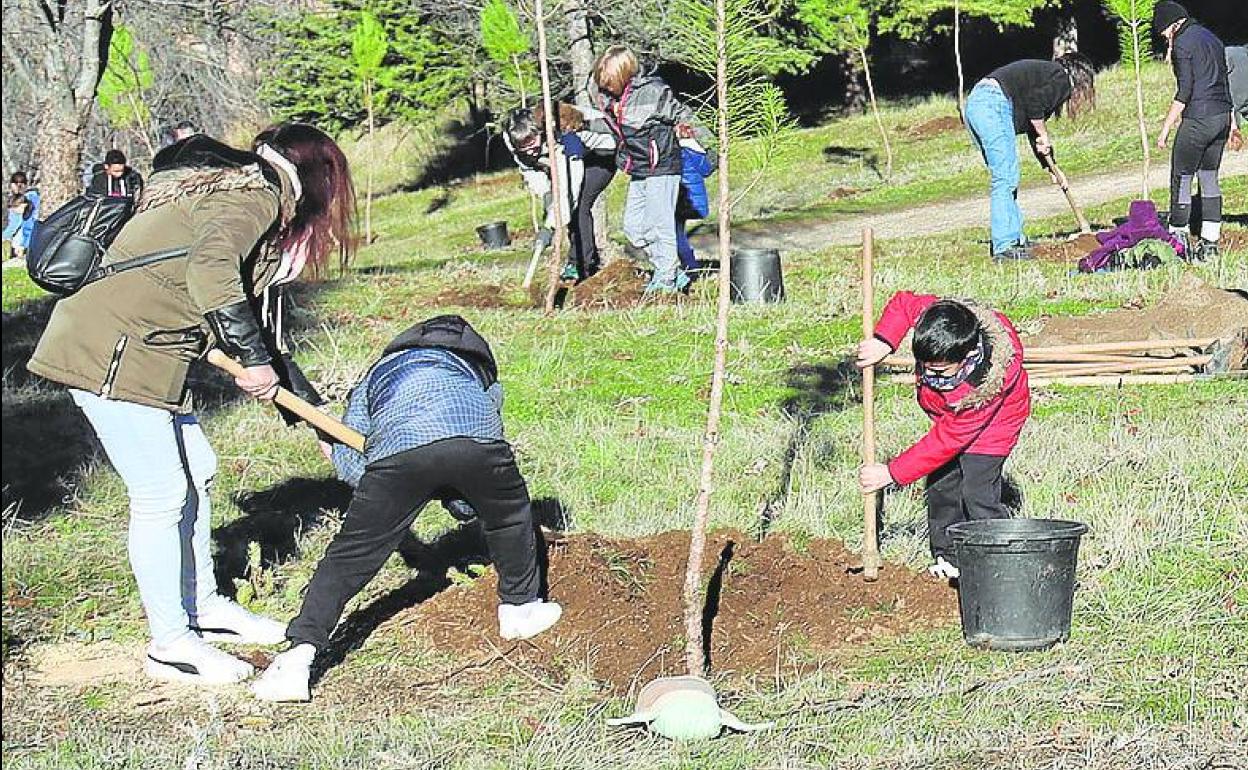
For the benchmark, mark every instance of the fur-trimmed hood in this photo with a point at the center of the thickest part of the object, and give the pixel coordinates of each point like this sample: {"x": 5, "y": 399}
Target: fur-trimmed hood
{"x": 1000, "y": 354}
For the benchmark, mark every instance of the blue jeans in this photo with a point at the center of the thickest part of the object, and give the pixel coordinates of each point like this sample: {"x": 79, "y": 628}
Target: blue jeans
{"x": 990, "y": 118}
{"x": 167, "y": 466}
{"x": 684, "y": 249}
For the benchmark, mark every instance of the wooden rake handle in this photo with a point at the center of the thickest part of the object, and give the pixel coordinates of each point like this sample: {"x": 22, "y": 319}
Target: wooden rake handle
{"x": 284, "y": 398}
{"x": 870, "y": 535}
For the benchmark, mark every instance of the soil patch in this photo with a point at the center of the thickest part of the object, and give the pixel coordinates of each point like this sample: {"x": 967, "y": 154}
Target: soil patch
{"x": 618, "y": 285}
{"x": 1066, "y": 250}
{"x": 774, "y": 605}
{"x": 481, "y": 296}
{"x": 73, "y": 664}
{"x": 933, "y": 127}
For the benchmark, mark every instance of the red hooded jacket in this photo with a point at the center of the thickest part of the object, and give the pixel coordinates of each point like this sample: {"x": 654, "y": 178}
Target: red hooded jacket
{"x": 983, "y": 415}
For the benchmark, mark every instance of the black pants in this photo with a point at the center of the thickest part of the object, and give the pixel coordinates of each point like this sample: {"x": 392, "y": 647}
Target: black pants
{"x": 598, "y": 174}
{"x": 966, "y": 488}
{"x": 386, "y": 502}
{"x": 1196, "y": 156}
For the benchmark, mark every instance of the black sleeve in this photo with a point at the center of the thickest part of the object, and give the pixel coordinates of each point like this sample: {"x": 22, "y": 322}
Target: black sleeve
{"x": 1183, "y": 74}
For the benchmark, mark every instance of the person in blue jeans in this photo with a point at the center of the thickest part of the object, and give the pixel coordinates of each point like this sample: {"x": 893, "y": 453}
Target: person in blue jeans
{"x": 1018, "y": 99}
{"x": 693, "y": 203}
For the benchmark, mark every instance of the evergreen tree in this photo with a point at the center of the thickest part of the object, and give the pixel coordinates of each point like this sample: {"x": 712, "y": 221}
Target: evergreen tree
{"x": 126, "y": 78}
{"x": 1134, "y": 16}
{"x": 508, "y": 47}
{"x": 368, "y": 50}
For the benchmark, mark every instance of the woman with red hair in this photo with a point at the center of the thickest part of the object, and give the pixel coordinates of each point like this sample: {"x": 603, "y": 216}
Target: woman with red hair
{"x": 218, "y": 231}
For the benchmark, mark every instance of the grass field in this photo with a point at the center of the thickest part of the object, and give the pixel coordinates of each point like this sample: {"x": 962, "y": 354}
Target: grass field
{"x": 606, "y": 410}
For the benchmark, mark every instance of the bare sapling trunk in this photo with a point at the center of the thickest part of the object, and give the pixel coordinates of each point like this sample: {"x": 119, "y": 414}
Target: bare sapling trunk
{"x": 524, "y": 92}
{"x": 957, "y": 57}
{"x": 1139, "y": 108}
{"x": 372, "y": 163}
{"x": 552, "y": 149}
{"x": 695, "y": 662}
{"x": 875, "y": 109}
{"x": 139, "y": 129}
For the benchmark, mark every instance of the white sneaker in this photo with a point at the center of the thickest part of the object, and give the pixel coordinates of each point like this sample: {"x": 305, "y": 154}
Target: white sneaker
{"x": 943, "y": 569}
{"x": 524, "y": 621}
{"x": 191, "y": 660}
{"x": 225, "y": 621}
{"x": 288, "y": 677}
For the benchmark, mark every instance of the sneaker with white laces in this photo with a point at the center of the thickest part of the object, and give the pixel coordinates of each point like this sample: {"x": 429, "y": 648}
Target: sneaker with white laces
{"x": 191, "y": 660}
{"x": 524, "y": 621}
{"x": 222, "y": 620}
{"x": 943, "y": 569}
{"x": 288, "y": 678}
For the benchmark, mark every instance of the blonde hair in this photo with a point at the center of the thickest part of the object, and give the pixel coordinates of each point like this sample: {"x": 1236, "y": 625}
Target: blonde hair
{"x": 617, "y": 65}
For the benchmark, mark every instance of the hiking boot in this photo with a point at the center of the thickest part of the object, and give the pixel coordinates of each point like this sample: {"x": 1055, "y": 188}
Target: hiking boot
{"x": 570, "y": 273}
{"x": 1207, "y": 250}
{"x": 191, "y": 660}
{"x": 288, "y": 677}
{"x": 222, "y": 620}
{"x": 1014, "y": 253}
{"x": 524, "y": 621}
{"x": 675, "y": 285}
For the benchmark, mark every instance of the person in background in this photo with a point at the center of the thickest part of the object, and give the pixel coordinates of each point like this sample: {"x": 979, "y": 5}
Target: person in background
{"x": 1019, "y": 98}
{"x": 18, "y": 207}
{"x": 971, "y": 382}
{"x": 1237, "y": 79}
{"x": 648, "y": 122}
{"x": 236, "y": 225}
{"x": 695, "y": 166}
{"x": 19, "y": 185}
{"x": 115, "y": 178}
{"x": 1202, "y": 110}
{"x": 430, "y": 411}
{"x": 182, "y": 130}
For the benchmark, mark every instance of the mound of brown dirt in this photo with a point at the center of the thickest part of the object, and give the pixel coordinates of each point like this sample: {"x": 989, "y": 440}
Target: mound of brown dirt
{"x": 933, "y": 127}
{"x": 778, "y": 606}
{"x": 1066, "y": 251}
{"x": 1191, "y": 309}
{"x": 615, "y": 286}
{"x": 483, "y": 296}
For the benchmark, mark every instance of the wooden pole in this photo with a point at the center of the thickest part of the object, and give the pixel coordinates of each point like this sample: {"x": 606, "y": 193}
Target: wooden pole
{"x": 870, "y": 535}
{"x": 552, "y": 115}
{"x": 1062, "y": 182}
{"x": 1111, "y": 381}
{"x": 1123, "y": 347}
{"x": 1120, "y": 368}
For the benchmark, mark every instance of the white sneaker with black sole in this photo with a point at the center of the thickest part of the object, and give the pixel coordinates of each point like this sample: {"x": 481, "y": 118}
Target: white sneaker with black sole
{"x": 524, "y": 621}
{"x": 191, "y": 660}
{"x": 225, "y": 621}
{"x": 288, "y": 678}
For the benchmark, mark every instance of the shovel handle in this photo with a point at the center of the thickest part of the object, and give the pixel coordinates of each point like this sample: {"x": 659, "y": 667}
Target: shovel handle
{"x": 284, "y": 398}
{"x": 1084, "y": 225}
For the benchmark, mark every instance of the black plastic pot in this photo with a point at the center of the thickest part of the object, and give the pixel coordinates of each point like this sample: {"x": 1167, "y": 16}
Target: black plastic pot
{"x": 494, "y": 235}
{"x": 1018, "y": 581}
{"x": 756, "y": 276}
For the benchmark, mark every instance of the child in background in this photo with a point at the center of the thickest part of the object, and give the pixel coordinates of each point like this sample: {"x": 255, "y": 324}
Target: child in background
{"x": 648, "y": 121}
{"x": 971, "y": 382}
{"x": 14, "y": 232}
{"x": 695, "y": 166}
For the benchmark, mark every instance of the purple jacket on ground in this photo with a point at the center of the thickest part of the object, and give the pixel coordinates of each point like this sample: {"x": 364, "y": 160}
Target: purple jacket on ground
{"x": 1141, "y": 224}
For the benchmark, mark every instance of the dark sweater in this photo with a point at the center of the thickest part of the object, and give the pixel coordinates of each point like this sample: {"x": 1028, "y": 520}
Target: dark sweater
{"x": 1035, "y": 87}
{"x": 1199, "y": 60}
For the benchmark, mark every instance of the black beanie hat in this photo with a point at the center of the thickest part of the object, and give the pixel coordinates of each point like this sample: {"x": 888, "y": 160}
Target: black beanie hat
{"x": 1167, "y": 13}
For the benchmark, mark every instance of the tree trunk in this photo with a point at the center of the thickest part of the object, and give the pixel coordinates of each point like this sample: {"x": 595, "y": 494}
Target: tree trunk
{"x": 855, "y": 94}
{"x": 1139, "y": 106}
{"x": 957, "y": 57}
{"x": 372, "y": 162}
{"x": 556, "y": 194}
{"x": 875, "y": 109}
{"x": 1066, "y": 40}
{"x": 580, "y": 53}
{"x": 524, "y": 92}
{"x": 695, "y": 661}
{"x": 60, "y": 158}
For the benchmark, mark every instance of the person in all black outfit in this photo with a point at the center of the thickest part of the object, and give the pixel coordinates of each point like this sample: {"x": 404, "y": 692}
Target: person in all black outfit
{"x": 115, "y": 178}
{"x": 1018, "y": 99}
{"x": 1202, "y": 108}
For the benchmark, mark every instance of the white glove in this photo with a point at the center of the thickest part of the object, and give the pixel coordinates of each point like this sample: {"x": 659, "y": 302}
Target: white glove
{"x": 943, "y": 569}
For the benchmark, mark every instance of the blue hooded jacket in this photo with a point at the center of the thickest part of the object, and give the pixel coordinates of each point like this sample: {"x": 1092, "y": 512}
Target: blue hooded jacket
{"x": 695, "y": 167}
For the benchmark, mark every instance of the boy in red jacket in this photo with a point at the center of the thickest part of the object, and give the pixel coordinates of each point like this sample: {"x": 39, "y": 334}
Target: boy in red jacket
{"x": 971, "y": 382}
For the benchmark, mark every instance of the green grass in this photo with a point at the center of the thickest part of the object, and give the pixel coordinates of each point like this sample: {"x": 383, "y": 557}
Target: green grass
{"x": 606, "y": 412}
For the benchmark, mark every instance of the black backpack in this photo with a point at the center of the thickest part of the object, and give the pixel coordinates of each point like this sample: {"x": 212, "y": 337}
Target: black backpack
{"x": 453, "y": 333}
{"x": 66, "y": 249}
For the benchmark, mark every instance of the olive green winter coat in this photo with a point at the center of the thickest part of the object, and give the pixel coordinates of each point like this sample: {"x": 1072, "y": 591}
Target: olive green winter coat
{"x": 132, "y": 336}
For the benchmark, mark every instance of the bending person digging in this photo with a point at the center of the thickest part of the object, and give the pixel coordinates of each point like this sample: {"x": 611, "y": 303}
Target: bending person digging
{"x": 430, "y": 412}
{"x": 971, "y": 382}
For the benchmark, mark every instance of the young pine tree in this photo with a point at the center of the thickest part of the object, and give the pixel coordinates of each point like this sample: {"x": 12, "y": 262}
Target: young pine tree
{"x": 1134, "y": 17}
{"x": 368, "y": 50}
{"x": 507, "y": 46}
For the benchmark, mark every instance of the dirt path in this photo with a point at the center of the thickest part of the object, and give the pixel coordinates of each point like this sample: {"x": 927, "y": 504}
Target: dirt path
{"x": 1038, "y": 202}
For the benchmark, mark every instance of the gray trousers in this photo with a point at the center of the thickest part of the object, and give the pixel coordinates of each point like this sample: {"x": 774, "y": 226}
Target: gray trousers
{"x": 650, "y": 221}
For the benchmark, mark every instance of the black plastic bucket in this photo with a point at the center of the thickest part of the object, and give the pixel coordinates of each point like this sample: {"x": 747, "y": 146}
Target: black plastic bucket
{"x": 756, "y": 276}
{"x": 494, "y": 235}
{"x": 1018, "y": 581}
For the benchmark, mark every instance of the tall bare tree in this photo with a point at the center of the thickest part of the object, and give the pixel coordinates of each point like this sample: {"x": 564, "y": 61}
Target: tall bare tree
{"x": 59, "y": 50}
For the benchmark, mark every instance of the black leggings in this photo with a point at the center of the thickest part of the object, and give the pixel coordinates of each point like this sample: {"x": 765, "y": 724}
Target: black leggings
{"x": 966, "y": 488}
{"x": 1196, "y": 156}
{"x": 598, "y": 174}
{"x": 391, "y": 493}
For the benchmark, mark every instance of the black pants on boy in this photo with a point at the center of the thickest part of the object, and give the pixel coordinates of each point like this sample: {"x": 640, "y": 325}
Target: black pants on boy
{"x": 599, "y": 170}
{"x": 390, "y": 495}
{"x": 968, "y": 487}
{"x": 1195, "y": 158}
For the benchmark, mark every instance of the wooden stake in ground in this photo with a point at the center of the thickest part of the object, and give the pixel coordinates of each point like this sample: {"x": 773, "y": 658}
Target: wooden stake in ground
{"x": 556, "y": 195}
{"x": 870, "y": 535}
{"x": 695, "y": 662}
